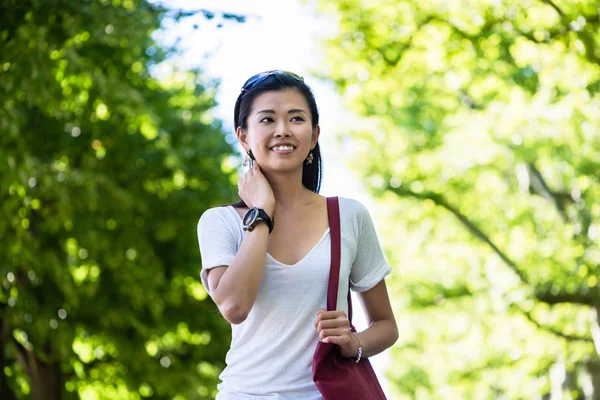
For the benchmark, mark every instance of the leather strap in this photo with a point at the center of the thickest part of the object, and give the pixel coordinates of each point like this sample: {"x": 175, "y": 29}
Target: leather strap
{"x": 333, "y": 214}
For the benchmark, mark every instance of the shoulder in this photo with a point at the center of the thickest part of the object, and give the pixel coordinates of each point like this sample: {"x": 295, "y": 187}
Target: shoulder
{"x": 351, "y": 208}
{"x": 221, "y": 215}
{"x": 216, "y": 212}
{"x": 354, "y": 217}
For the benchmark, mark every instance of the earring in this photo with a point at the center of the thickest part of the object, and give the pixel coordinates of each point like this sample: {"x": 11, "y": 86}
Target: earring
{"x": 310, "y": 157}
{"x": 248, "y": 159}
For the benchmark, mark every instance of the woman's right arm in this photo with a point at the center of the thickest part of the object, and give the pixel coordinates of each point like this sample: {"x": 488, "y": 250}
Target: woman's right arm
{"x": 234, "y": 287}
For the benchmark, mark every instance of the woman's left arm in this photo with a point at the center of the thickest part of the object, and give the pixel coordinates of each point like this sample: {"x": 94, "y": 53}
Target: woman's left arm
{"x": 382, "y": 333}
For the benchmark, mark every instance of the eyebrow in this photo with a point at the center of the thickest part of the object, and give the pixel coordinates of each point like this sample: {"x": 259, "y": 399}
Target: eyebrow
{"x": 295, "y": 110}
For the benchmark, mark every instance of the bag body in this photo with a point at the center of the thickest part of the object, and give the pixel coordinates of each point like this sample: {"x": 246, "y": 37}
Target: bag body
{"x": 338, "y": 377}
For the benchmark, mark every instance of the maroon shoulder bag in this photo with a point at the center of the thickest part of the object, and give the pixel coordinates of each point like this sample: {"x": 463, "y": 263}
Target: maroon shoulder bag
{"x": 338, "y": 377}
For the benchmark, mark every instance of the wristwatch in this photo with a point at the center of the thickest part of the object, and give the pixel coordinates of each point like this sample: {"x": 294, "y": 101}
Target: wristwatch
{"x": 254, "y": 216}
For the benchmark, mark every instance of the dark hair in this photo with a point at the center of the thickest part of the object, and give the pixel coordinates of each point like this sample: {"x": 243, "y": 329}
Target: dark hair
{"x": 279, "y": 80}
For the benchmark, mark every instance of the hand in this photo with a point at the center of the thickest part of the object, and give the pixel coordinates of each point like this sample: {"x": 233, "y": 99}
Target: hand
{"x": 255, "y": 190}
{"x": 334, "y": 327}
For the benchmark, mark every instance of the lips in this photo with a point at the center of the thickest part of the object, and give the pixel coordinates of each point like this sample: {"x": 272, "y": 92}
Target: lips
{"x": 283, "y": 148}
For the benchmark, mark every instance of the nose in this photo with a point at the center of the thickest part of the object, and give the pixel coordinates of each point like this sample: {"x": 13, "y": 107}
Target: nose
{"x": 283, "y": 129}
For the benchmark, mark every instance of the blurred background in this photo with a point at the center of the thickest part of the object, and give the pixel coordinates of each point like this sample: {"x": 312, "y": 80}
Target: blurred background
{"x": 469, "y": 129}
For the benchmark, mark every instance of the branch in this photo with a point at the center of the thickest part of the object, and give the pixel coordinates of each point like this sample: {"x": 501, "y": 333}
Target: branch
{"x": 393, "y": 62}
{"x": 439, "y": 200}
{"x": 554, "y": 331}
{"x": 437, "y": 293}
{"x": 558, "y": 10}
{"x": 546, "y": 296}
{"x": 208, "y": 14}
{"x": 455, "y": 28}
{"x": 587, "y": 37}
{"x": 576, "y": 298}
{"x": 539, "y": 186}
{"x": 401, "y": 48}
{"x": 552, "y": 34}
{"x": 560, "y": 200}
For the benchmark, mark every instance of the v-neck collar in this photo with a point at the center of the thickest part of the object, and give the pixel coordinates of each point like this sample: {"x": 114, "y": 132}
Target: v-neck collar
{"x": 312, "y": 250}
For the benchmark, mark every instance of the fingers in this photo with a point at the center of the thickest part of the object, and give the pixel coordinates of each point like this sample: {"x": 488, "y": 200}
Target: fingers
{"x": 326, "y": 334}
{"x": 344, "y": 341}
{"x": 255, "y": 190}
{"x": 321, "y": 310}
{"x": 334, "y": 327}
{"x": 256, "y": 169}
{"x": 331, "y": 323}
{"x": 327, "y": 315}
{"x": 331, "y": 319}
{"x": 244, "y": 179}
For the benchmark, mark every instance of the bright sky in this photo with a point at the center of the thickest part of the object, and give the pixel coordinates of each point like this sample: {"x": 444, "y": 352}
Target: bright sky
{"x": 278, "y": 34}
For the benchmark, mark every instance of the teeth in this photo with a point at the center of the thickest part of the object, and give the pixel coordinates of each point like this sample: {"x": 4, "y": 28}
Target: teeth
{"x": 283, "y": 148}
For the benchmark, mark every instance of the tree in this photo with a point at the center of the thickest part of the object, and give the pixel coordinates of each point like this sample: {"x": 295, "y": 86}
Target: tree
{"x": 484, "y": 119}
{"x": 104, "y": 172}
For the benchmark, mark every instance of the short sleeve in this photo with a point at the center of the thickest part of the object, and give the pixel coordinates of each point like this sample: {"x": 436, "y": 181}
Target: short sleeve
{"x": 217, "y": 239}
{"x": 369, "y": 266}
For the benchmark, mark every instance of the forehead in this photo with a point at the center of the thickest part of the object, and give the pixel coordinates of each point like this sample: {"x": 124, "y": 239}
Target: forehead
{"x": 280, "y": 100}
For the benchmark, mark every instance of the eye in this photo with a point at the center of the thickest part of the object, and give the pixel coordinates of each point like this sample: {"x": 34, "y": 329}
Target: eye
{"x": 266, "y": 119}
{"x": 298, "y": 118}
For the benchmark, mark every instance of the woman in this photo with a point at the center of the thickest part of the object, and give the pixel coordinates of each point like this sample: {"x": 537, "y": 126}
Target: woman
{"x": 265, "y": 260}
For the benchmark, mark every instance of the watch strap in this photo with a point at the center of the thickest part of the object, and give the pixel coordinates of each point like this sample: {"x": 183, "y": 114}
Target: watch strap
{"x": 261, "y": 216}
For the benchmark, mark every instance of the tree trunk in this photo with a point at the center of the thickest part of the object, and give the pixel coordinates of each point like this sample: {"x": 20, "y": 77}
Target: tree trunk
{"x": 593, "y": 368}
{"x": 595, "y": 328}
{"x": 572, "y": 386}
{"x": 44, "y": 379}
{"x": 5, "y": 392}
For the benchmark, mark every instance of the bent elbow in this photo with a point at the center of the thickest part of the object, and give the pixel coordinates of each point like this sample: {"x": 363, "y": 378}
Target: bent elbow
{"x": 395, "y": 337}
{"x": 395, "y": 334}
{"x": 235, "y": 314}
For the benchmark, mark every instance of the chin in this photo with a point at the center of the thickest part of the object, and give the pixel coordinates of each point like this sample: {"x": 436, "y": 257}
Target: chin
{"x": 282, "y": 167}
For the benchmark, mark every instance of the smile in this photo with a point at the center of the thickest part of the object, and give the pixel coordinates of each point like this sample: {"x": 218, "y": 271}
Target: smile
{"x": 283, "y": 148}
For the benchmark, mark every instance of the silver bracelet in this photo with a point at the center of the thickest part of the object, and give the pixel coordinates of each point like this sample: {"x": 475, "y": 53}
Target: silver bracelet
{"x": 359, "y": 354}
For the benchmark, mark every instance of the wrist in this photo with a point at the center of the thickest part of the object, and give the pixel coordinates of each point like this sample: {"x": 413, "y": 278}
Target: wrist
{"x": 261, "y": 226}
{"x": 354, "y": 348}
{"x": 257, "y": 216}
{"x": 358, "y": 351}
{"x": 269, "y": 209}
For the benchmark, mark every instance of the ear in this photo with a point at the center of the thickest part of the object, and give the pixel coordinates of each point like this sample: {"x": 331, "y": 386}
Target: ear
{"x": 315, "y": 136}
{"x": 242, "y": 138}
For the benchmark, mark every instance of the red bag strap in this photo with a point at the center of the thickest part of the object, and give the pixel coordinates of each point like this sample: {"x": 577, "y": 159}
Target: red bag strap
{"x": 333, "y": 214}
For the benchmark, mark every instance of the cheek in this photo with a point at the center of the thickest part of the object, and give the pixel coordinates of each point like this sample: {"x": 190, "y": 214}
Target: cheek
{"x": 257, "y": 135}
{"x": 307, "y": 135}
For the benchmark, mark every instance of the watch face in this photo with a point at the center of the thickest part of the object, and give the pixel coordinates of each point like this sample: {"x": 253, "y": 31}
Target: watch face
{"x": 250, "y": 216}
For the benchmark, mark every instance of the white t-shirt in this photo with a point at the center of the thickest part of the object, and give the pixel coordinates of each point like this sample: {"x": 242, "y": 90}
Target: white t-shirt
{"x": 272, "y": 350}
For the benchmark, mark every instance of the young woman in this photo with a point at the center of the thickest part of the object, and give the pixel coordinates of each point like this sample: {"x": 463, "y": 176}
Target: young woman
{"x": 265, "y": 260}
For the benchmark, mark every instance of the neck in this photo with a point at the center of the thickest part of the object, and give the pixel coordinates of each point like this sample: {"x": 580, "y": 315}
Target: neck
{"x": 288, "y": 189}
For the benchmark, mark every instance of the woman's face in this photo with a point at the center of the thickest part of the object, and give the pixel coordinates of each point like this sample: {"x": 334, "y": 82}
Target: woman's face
{"x": 279, "y": 130}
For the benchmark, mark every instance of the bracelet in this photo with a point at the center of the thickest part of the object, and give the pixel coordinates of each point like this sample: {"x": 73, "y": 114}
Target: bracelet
{"x": 360, "y": 350}
{"x": 359, "y": 354}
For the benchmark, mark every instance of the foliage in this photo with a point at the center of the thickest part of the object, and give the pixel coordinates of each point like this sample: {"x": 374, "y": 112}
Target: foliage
{"x": 104, "y": 172}
{"x": 480, "y": 136}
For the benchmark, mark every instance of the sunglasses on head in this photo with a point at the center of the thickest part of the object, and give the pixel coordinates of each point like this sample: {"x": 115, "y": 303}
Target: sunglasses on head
{"x": 258, "y": 78}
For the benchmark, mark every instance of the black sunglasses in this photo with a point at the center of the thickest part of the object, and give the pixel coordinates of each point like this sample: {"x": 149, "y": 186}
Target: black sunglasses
{"x": 258, "y": 78}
